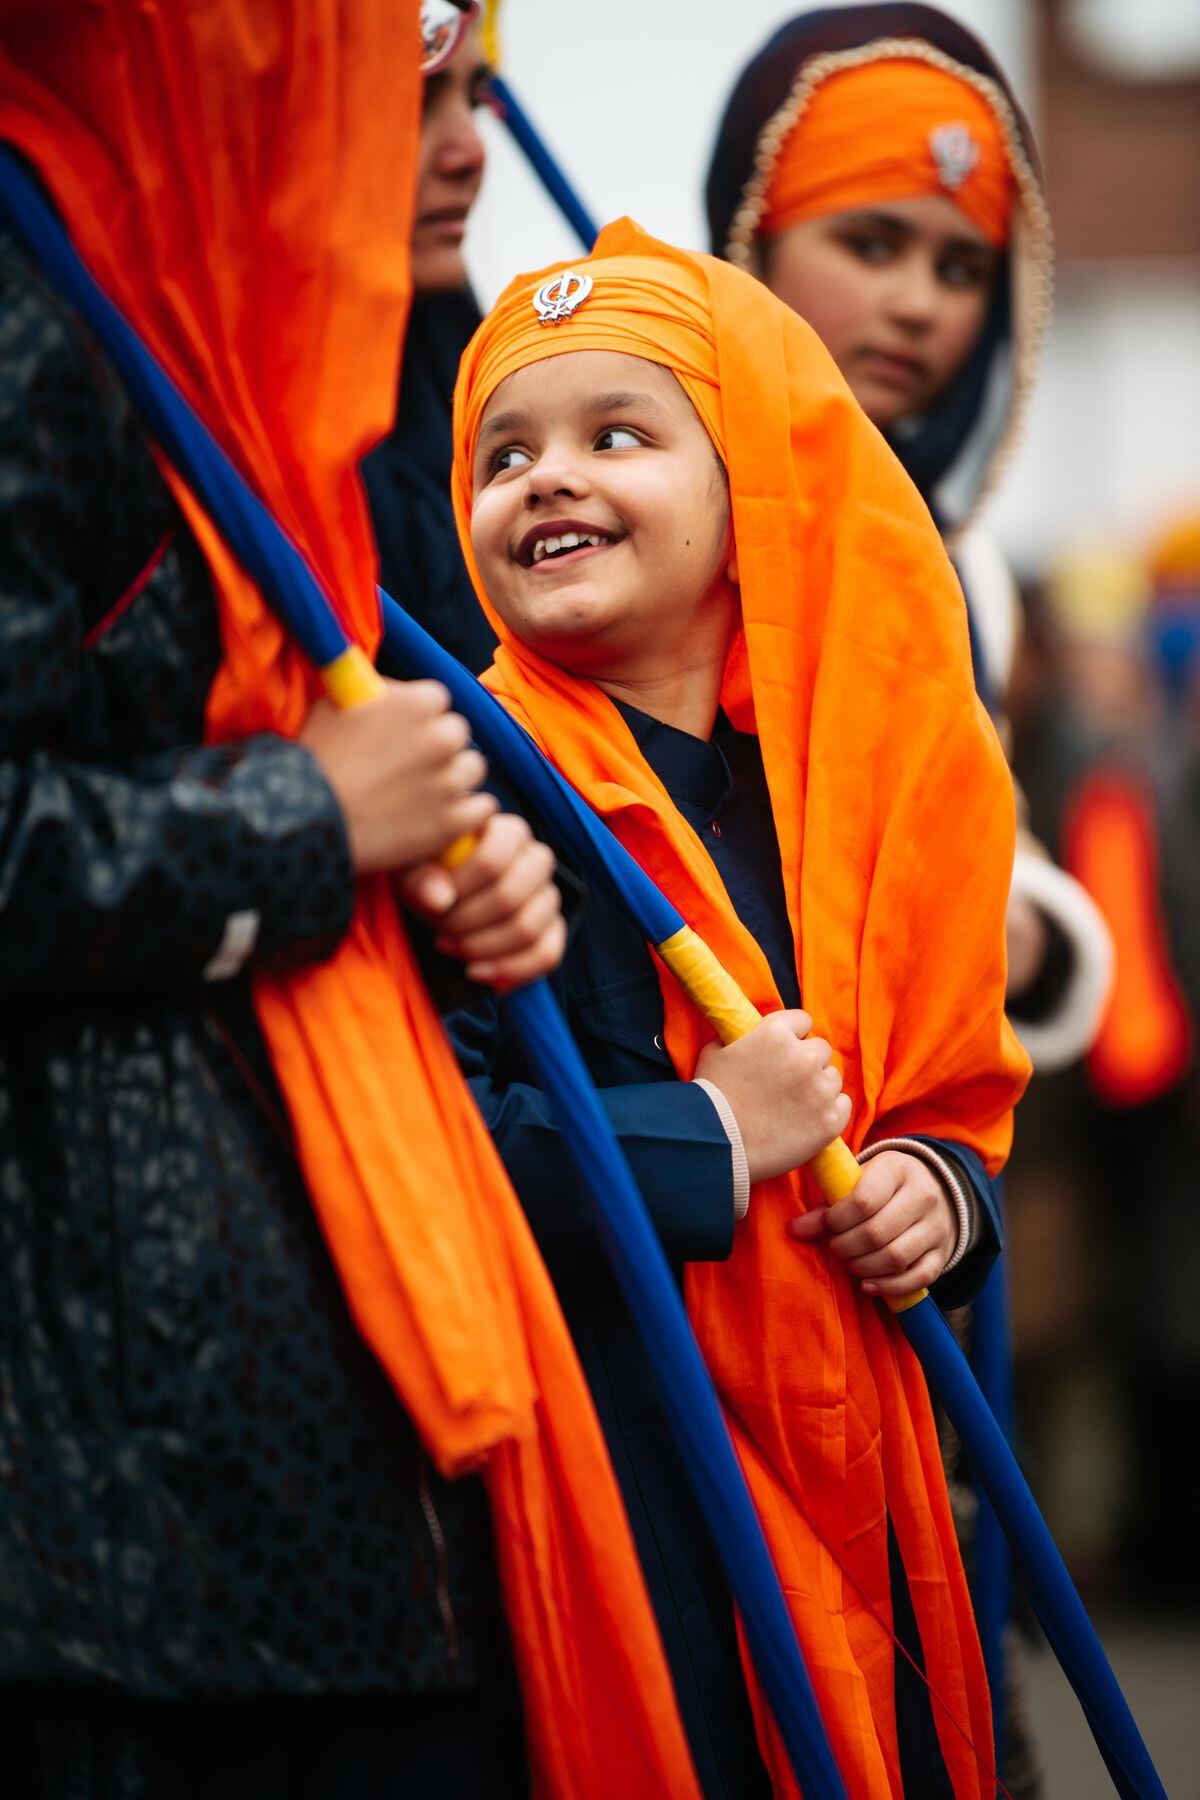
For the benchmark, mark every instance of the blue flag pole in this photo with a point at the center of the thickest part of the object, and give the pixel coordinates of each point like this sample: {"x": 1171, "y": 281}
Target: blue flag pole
{"x": 543, "y": 163}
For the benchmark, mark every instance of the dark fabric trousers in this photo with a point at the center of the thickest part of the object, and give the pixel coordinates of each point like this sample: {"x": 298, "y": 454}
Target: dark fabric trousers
{"x": 62, "y": 1745}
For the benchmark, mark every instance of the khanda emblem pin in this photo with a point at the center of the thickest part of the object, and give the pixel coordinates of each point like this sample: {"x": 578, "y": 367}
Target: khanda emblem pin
{"x": 556, "y": 300}
{"x": 955, "y": 152}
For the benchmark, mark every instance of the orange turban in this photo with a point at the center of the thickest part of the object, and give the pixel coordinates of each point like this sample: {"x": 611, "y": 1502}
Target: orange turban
{"x": 893, "y": 129}
{"x": 894, "y": 812}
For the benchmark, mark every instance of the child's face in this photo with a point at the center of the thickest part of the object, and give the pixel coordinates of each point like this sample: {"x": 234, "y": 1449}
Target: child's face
{"x": 607, "y": 447}
{"x": 898, "y": 292}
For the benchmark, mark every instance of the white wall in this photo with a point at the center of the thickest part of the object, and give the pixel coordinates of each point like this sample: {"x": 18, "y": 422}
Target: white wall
{"x": 1112, "y": 447}
{"x": 628, "y": 94}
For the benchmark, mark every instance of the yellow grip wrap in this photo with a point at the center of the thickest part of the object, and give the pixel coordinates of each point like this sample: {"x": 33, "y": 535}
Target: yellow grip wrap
{"x": 835, "y": 1171}
{"x": 457, "y": 853}
{"x": 351, "y": 679}
{"x": 710, "y": 985}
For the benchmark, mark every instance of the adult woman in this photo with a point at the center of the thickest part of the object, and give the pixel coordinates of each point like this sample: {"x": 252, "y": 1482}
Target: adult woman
{"x": 408, "y": 475}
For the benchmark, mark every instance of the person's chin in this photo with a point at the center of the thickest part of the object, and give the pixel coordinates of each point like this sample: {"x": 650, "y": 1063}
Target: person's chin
{"x": 438, "y": 269}
{"x": 561, "y": 625}
{"x": 885, "y": 404}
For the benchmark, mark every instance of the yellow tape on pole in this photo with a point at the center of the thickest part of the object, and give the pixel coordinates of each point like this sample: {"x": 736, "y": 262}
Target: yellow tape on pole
{"x": 490, "y": 32}
{"x": 351, "y": 679}
{"x": 710, "y": 985}
{"x": 727, "y": 1009}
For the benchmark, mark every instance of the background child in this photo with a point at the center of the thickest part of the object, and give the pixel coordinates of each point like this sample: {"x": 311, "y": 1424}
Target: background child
{"x": 874, "y": 169}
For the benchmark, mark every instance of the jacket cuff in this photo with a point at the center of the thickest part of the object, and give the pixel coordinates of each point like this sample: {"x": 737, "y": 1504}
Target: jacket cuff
{"x": 301, "y": 887}
{"x": 741, "y": 1168}
{"x": 958, "y": 1194}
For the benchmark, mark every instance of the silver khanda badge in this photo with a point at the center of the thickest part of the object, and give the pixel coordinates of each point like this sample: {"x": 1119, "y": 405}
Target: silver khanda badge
{"x": 556, "y": 300}
{"x": 955, "y": 152}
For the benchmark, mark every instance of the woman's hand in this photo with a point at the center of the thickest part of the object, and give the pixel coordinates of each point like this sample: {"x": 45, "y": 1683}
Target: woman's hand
{"x": 403, "y": 773}
{"x": 499, "y": 910}
{"x": 896, "y": 1231}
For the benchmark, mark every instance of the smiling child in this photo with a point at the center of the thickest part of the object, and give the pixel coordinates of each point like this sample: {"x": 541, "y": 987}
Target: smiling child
{"x": 701, "y": 561}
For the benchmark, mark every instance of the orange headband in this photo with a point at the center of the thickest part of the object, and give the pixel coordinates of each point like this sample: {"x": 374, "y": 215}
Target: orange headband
{"x": 893, "y": 130}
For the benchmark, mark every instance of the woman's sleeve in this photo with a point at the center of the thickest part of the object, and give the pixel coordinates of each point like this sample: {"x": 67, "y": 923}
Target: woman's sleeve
{"x": 162, "y": 870}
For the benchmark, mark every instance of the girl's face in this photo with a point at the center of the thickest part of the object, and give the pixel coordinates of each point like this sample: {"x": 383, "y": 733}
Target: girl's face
{"x": 898, "y": 292}
{"x": 601, "y": 520}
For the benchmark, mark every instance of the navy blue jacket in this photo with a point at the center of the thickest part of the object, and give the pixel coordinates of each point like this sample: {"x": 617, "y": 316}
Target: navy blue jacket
{"x": 681, "y": 1158}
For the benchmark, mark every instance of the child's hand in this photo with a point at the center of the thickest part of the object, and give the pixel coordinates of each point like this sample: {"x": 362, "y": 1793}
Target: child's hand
{"x": 786, "y": 1096}
{"x": 896, "y": 1231}
{"x": 500, "y": 910}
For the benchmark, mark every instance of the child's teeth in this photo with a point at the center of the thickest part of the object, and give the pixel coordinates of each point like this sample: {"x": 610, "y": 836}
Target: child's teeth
{"x": 570, "y": 540}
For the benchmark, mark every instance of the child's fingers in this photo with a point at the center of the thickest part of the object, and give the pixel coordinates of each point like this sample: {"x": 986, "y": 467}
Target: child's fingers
{"x": 899, "y": 1252}
{"x": 508, "y": 864}
{"x": 511, "y": 934}
{"x": 428, "y": 889}
{"x": 874, "y": 1237}
{"x": 540, "y": 958}
{"x": 922, "y": 1274}
{"x": 808, "y": 1227}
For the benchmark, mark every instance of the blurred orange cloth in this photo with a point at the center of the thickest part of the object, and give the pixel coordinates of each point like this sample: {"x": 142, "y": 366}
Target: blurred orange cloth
{"x": 894, "y": 812}
{"x": 1110, "y": 845}
{"x": 895, "y": 129}
{"x": 240, "y": 179}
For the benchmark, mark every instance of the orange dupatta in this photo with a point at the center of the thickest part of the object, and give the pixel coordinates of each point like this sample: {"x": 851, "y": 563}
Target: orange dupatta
{"x": 238, "y": 175}
{"x": 894, "y": 813}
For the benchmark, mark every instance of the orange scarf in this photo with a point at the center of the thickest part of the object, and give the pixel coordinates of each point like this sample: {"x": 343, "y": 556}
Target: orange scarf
{"x": 894, "y": 129}
{"x": 238, "y": 174}
{"x": 894, "y": 812}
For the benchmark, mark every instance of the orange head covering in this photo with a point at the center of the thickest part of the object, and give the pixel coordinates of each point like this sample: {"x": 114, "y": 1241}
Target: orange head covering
{"x": 240, "y": 180}
{"x": 893, "y": 129}
{"x": 894, "y": 812}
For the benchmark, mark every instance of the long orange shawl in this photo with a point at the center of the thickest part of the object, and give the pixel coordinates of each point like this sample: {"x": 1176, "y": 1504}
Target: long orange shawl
{"x": 895, "y": 819}
{"x": 238, "y": 175}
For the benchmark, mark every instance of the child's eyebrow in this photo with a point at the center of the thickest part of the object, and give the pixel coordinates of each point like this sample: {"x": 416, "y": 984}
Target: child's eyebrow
{"x": 505, "y": 421}
{"x": 622, "y": 400}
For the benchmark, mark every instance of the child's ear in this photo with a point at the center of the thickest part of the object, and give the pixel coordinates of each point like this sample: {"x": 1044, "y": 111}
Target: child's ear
{"x": 731, "y": 566}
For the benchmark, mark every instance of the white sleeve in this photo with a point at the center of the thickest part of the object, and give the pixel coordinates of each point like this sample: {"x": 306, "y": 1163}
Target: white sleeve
{"x": 1067, "y": 1032}
{"x": 741, "y": 1168}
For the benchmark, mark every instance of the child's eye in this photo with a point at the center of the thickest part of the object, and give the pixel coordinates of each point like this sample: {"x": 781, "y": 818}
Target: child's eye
{"x": 870, "y": 246}
{"x": 509, "y": 458}
{"x": 963, "y": 272}
{"x": 618, "y": 437}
